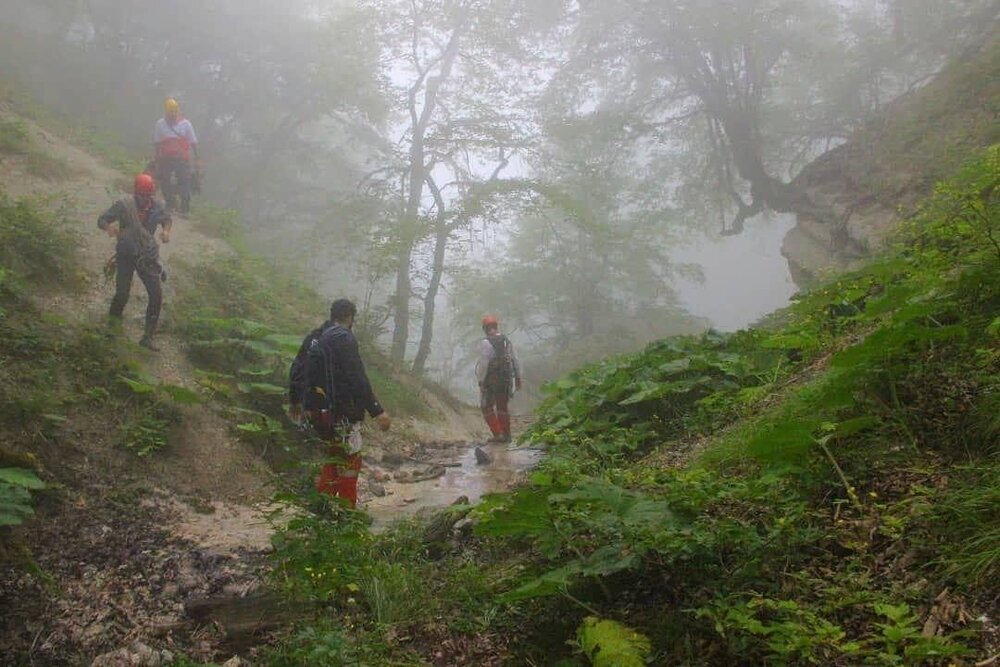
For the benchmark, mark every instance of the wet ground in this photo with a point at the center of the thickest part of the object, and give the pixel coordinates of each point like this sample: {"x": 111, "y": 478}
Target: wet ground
{"x": 438, "y": 473}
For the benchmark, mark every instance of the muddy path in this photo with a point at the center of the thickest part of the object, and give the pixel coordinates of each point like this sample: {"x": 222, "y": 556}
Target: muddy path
{"x": 128, "y": 545}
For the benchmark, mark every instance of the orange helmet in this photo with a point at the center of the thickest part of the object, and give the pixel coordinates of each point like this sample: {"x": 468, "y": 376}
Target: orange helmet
{"x": 490, "y": 321}
{"x": 144, "y": 185}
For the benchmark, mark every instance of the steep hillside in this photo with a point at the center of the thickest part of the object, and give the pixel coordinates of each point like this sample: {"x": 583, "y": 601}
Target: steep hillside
{"x": 158, "y": 469}
{"x": 822, "y": 492}
{"x": 875, "y": 179}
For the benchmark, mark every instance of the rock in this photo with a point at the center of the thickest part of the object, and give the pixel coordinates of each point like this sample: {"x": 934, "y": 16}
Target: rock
{"x": 379, "y": 475}
{"x": 409, "y": 501}
{"x": 483, "y": 457}
{"x": 393, "y": 459}
{"x": 377, "y": 490}
{"x": 432, "y": 472}
{"x": 439, "y": 529}
{"x": 236, "y": 661}
{"x": 463, "y": 527}
{"x": 461, "y": 500}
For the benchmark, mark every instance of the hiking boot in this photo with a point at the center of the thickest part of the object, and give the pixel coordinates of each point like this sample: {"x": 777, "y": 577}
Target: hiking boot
{"x": 147, "y": 342}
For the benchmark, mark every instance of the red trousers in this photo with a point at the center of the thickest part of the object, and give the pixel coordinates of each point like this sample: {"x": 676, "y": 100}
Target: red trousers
{"x": 493, "y": 403}
{"x": 340, "y": 478}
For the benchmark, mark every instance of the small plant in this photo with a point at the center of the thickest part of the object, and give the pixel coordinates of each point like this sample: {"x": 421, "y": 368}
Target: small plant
{"x": 16, "y": 485}
{"x": 155, "y": 410}
{"x": 145, "y": 435}
{"x": 902, "y": 641}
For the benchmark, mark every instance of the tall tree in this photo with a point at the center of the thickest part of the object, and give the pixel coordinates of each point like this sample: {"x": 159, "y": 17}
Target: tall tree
{"x": 751, "y": 85}
{"x": 454, "y": 75}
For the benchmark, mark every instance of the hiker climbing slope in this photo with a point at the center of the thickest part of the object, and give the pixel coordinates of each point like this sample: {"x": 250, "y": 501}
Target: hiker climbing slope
{"x": 499, "y": 374}
{"x": 328, "y": 384}
{"x": 133, "y": 222}
{"x": 176, "y": 156}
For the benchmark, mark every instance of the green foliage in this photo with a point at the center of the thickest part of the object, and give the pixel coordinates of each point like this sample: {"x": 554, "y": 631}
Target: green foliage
{"x": 14, "y": 136}
{"x": 36, "y": 244}
{"x": 15, "y": 139}
{"x": 145, "y": 434}
{"x": 781, "y": 631}
{"x": 903, "y": 643}
{"x": 827, "y": 451}
{"x": 16, "y": 485}
{"x": 321, "y": 646}
{"x": 965, "y": 521}
{"x": 154, "y": 407}
{"x": 610, "y": 644}
{"x": 894, "y": 335}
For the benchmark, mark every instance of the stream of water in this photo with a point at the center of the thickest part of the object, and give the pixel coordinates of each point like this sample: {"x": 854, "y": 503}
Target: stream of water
{"x": 463, "y": 476}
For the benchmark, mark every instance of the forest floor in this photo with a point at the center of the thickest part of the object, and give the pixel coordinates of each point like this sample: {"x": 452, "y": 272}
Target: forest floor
{"x": 125, "y": 543}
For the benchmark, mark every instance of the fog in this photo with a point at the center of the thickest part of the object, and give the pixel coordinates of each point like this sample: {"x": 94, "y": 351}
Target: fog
{"x": 597, "y": 174}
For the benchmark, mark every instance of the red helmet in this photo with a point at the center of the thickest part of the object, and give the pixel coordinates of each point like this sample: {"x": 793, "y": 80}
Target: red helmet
{"x": 490, "y": 321}
{"x": 144, "y": 185}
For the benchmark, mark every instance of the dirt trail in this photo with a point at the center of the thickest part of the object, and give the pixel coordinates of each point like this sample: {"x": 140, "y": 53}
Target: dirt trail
{"x": 199, "y": 525}
{"x": 204, "y": 458}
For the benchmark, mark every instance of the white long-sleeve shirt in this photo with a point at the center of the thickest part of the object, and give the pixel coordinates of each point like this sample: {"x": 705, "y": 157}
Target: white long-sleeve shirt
{"x": 486, "y": 354}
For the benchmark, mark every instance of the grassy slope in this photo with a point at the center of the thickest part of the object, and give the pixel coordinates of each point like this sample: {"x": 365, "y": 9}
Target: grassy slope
{"x": 821, "y": 492}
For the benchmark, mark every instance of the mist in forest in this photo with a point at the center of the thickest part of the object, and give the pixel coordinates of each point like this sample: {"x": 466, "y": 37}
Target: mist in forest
{"x": 597, "y": 174}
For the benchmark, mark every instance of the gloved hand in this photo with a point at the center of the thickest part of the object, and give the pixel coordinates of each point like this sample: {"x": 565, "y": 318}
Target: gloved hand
{"x": 384, "y": 421}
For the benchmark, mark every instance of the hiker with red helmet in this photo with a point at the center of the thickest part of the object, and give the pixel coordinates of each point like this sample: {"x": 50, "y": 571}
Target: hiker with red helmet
{"x": 133, "y": 222}
{"x": 176, "y": 155}
{"x": 499, "y": 374}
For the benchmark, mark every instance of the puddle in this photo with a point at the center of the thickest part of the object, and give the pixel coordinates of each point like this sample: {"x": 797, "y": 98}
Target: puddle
{"x": 463, "y": 476}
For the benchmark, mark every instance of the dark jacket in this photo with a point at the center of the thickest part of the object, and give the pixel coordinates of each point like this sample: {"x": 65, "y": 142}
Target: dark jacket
{"x": 133, "y": 241}
{"x": 353, "y": 394}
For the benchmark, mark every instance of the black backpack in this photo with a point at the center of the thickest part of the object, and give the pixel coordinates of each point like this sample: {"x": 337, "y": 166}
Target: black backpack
{"x": 500, "y": 373}
{"x": 312, "y": 372}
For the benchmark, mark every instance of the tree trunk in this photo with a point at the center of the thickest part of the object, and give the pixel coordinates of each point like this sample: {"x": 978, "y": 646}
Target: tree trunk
{"x": 437, "y": 270}
{"x": 766, "y": 191}
{"x": 408, "y": 234}
{"x": 418, "y": 173}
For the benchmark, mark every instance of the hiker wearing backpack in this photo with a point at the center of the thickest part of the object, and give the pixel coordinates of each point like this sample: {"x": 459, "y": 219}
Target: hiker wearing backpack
{"x": 176, "y": 155}
{"x": 499, "y": 374}
{"x": 329, "y": 387}
{"x": 133, "y": 222}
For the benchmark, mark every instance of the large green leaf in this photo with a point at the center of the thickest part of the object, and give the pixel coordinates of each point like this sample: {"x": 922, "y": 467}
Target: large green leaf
{"x": 260, "y": 388}
{"x": 628, "y": 507}
{"x": 179, "y": 394}
{"x": 138, "y": 386}
{"x": 610, "y": 644}
{"x": 21, "y": 477}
